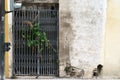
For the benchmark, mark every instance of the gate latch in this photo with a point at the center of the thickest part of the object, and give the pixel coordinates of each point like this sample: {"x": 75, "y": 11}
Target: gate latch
{"x": 7, "y": 46}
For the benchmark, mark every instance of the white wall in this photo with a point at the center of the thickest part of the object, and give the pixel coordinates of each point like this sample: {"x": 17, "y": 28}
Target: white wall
{"x": 112, "y": 40}
{"x": 83, "y": 32}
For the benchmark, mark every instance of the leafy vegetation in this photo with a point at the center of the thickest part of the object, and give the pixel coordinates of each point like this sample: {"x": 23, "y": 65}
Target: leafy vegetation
{"x": 36, "y": 37}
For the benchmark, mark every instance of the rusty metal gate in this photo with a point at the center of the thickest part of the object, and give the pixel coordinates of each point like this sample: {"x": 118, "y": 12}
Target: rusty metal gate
{"x": 24, "y": 59}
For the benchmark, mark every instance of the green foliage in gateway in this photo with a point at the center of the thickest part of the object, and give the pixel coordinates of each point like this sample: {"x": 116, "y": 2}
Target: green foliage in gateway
{"x": 36, "y": 38}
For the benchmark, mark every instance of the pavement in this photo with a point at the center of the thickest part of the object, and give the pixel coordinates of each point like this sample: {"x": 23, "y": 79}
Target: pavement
{"x": 54, "y": 78}
{"x": 62, "y": 79}
{"x": 65, "y": 79}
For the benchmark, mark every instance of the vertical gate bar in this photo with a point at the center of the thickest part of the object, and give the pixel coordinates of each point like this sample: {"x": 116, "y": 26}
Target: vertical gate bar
{"x": 14, "y": 43}
{"x": 29, "y": 55}
{"x": 34, "y": 54}
{"x": 18, "y": 44}
{"x": 53, "y": 33}
{"x": 54, "y": 37}
{"x": 54, "y": 53}
{"x": 41, "y": 66}
{"x": 38, "y": 67}
{"x": 51, "y": 45}
{"x": 38, "y": 55}
{"x": 24, "y": 25}
{"x": 49, "y": 54}
{"x": 21, "y": 17}
{"x": 17, "y": 66}
{"x": 56, "y": 43}
{"x": 57, "y": 17}
{"x": 36, "y": 59}
{"x": 39, "y": 16}
{"x": 31, "y": 62}
{"x": 48, "y": 51}
{"x": 51, "y": 49}
{"x": 24, "y": 47}
{"x": 41, "y": 46}
{"x": 25, "y": 55}
{"x": 22, "y": 58}
{"x": 19, "y": 40}
{"x": 35, "y": 68}
{"x": 18, "y": 30}
{"x": 33, "y": 58}
{"x": 44, "y": 54}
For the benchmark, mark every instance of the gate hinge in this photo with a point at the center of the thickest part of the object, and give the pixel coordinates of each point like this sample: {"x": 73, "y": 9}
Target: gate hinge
{"x": 7, "y": 46}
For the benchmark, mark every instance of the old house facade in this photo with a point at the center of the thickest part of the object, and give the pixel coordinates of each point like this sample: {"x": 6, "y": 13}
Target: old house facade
{"x": 88, "y": 35}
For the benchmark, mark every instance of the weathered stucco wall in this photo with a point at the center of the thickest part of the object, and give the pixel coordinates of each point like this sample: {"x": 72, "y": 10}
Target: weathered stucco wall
{"x": 10, "y": 39}
{"x": 81, "y": 30}
{"x": 112, "y": 40}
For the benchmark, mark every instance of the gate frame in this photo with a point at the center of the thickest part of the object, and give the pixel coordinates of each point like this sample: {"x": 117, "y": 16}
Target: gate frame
{"x": 56, "y": 47}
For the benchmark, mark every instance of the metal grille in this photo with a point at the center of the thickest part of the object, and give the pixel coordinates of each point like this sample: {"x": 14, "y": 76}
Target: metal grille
{"x": 25, "y": 59}
{"x": 1, "y": 52}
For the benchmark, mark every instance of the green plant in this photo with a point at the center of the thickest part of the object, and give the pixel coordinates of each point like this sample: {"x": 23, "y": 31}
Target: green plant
{"x": 36, "y": 37}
